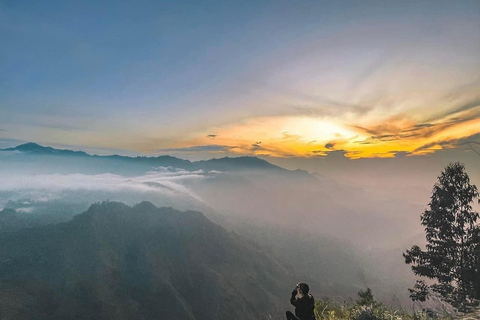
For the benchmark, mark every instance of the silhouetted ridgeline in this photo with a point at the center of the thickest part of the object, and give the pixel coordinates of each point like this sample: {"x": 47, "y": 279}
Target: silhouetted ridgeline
{"x": 123, "y": 163}
{"x": 142, "y": 262}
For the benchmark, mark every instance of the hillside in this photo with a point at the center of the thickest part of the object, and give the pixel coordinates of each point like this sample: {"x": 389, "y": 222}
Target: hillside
{"x": 140, "y": 262}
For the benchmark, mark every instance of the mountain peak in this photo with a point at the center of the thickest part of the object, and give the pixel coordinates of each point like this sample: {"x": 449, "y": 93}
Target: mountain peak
{"x": 35, "y": 148}
{"x": 29, "y": 145}
{"x": 145, "y": 206}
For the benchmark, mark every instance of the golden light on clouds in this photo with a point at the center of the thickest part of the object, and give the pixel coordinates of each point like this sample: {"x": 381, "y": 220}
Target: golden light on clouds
{"x": 310, "y": 136}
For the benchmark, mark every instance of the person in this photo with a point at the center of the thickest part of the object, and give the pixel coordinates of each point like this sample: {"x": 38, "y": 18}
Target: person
{"x": 304, "y": 303}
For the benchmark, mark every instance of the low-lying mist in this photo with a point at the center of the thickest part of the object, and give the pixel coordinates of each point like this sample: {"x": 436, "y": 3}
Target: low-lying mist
{"x": 341, "y": 238}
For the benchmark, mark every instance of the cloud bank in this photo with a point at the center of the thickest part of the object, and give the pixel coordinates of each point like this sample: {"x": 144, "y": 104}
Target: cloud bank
{"x": 162, "y": 181}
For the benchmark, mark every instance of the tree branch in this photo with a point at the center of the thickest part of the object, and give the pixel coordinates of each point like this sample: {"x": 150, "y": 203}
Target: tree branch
{"x": 470, "y": 143}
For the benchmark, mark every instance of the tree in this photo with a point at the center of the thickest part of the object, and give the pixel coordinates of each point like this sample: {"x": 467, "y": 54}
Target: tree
{"x": 451, "y": 257}
{"x": 366, "y": 298}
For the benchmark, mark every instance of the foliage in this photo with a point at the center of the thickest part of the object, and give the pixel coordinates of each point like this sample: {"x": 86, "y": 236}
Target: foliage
{"x": 373, "y": 310}
{"x": 366, "y": 298}
{"x": 451, "y": 256}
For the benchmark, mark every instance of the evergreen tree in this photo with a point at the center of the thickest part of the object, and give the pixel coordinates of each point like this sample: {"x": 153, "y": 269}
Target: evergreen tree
{"x": 366, "y": 298}
{"x": 451, "y": 256}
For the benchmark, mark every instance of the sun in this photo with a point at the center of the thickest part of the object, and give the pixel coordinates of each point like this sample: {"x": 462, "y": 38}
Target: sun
{"x": 321, "y": 130}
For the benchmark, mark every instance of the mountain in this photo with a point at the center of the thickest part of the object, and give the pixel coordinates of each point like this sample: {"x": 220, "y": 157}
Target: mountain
{"x": 222, "y": 164}
{"x": 34, "y": 148}
{"x": 26, "y": 213}
{"x": 142, "y": 262}
{"x": 10, "y": 221}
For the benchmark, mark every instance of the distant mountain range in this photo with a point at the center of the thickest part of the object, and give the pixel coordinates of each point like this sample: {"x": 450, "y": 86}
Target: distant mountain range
{"x": 222, "y": 164}
{"x": 34, "y": 148}
{"x": 141, "y": 262}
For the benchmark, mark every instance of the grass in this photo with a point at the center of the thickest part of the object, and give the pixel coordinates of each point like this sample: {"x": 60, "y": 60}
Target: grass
{"x": 367, "y": 308}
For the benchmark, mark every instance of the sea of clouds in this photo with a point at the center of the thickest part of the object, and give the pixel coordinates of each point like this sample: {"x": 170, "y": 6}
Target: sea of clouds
{"x": 162, "y": 181}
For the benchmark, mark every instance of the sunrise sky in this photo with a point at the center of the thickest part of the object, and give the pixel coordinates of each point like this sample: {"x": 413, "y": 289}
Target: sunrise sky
{"x": 284, "y": 79}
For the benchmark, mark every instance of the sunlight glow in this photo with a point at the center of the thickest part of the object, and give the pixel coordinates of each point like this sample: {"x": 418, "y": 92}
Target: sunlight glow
{"x": 294, "y": 136}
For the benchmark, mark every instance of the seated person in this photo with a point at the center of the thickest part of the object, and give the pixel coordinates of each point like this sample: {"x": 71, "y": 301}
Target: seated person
{"x": 304, "y": 303}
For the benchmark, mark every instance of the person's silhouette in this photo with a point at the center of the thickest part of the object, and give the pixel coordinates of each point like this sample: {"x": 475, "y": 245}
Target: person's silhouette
{"x": 304, "y": 303}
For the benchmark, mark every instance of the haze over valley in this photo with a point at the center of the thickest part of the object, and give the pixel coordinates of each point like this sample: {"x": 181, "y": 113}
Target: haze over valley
{"x": 239, "y": 160}
{"x": 350, "y": 237}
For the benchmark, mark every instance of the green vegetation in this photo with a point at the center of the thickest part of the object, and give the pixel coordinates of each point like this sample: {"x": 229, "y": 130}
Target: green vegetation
{"x": 367, "y": 308}
{"x": 452, "y": 255}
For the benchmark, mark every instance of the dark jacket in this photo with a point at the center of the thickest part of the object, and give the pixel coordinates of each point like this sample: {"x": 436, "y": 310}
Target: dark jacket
{"x": 304, "y": 306}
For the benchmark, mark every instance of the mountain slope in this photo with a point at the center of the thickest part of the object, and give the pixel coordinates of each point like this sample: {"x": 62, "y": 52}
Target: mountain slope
{"x": 118, "y": 262}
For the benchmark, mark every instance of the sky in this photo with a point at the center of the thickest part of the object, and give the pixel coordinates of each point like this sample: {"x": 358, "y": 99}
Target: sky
{"x": 293, "y": 81}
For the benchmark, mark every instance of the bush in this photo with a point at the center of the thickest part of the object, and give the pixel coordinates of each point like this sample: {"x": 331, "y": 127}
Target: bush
{"x": 365, "y": 308}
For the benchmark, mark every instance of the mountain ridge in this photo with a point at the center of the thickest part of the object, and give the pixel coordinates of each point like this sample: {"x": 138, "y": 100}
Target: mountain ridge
{"x": 142, "y": 262}
{"x": 224, "y": 163}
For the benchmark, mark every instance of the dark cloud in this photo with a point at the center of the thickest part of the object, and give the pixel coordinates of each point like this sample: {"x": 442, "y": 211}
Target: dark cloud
{"x": 411, "y": 135}
{"x": 365, "y": 142}
{"x": 391, "y": 126}
{"x": 419, "y": 126}
{"x": 330, "y": 145}
{"x": 472, "y": 139}
{"x": 383, "y": 137}
{"x": 367, "y": 130}
{"x": 468, "y": 106}
{"x": 211, "y": 135}
{"x": 446, "y": 144}
{"x": 387, "y": 137}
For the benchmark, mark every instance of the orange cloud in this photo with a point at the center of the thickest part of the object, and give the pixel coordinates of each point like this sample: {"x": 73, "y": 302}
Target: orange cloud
{"x": 310, "y": 136}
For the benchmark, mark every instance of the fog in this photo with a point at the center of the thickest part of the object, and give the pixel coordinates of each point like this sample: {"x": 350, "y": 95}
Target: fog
{"x": 313, "y": 202}
{"x": 348, "y": 236}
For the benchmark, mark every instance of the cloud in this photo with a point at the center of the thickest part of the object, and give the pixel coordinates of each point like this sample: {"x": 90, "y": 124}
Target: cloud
{"x": 365, "y": 127}
{"x": 438, "y": 145}
{"x": 467, "y": 104}
{"x": 471, "y": 143}
{"x": 286, "y": 136}
{"x": 168, "y": 181}
{"x": 330, "y": 145}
